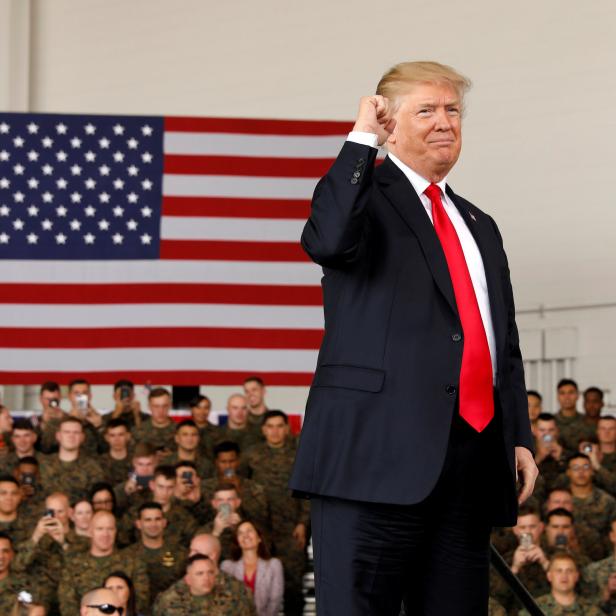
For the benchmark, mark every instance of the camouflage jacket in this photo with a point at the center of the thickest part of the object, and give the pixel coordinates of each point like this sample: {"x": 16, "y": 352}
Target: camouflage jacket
{"x": 72, "y": 478}
{"x": 163, "y": 438}
{"x": 573, "y": 430}
{"x": 581, "y": 607}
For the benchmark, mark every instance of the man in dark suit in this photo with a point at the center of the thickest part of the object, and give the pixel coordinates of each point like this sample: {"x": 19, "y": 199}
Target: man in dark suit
{"x": 416, "y": 425}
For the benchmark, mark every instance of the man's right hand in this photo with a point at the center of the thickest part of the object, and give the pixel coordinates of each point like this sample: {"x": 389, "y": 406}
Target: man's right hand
{"x": 375, "y": 115}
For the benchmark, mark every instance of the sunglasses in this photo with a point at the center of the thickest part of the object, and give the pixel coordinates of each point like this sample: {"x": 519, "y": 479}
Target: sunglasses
{"x": 107, "y": 608}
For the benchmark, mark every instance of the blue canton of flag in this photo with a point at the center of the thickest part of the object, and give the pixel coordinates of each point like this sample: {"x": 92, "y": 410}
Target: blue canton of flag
{"x": 80, "y": 187}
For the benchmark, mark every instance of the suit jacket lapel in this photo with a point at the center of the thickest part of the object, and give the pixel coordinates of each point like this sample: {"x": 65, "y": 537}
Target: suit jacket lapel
{"x": 404, "y": 199}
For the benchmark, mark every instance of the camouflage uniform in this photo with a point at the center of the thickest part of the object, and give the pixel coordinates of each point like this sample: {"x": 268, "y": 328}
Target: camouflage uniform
{"x": 608, "y": 461}
{"x": 271, "y": 467}
{"x": 495, "y": 608}
{"x": 165, "y": 565}
{"x": 159, "y": 438}
{"x": 116, "y": 471}
{"x": 596, "y": 511}
{"x": 127, "y": 415}
{"x": 72, "y": 478}
{"x": 553, "y": 470}
{"x": 18, "y": 530}
{"x": 245, "y": 437}
{"x": 229, "y": 597}
{"x": 596, "y": 576}
{"x": 32, "y": 508}
{"x": 49, "y": 444}
{"x": 208, "y": 437}
{"x": 10, "y": 462}
{"x": 573, "y": 430}
{"x": 84, "y": 572}
{"x": 581, "y": 607}
{"x": 205, "y": 468}
{"x": 10, "y": 587}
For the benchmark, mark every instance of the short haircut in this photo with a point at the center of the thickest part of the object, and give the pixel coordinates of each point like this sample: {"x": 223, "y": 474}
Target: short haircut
{"x": 254, "y": 379}
{"x": 546, "y": 417}
{"x": 165, "y": 470}
{"x": 399, "y": 79}
{"x": 123, "y": 383}
{"x": 594, "y": 390}
{"x": 226, "y": 447}
{"x": 528, "y": 509}
{"x": 149, "y": 505}
{"x": 196, "y": 558}
{"x": 185, "y": 463}
{"x": 51, "y": 386}
{"x": 559, "y": 511}
{"x": 274, "y": 413}
{"x": 77, "y": 382}
{"x": 565, "y": 382}
{"x": 158, "y": 392}
{"x": 197, "y": 400}
{"x": 225, "y": 487}
{"x": 70, "y": 419}
{"x": 144, "y": 450}
{"x": 186, "y": 423}
{"x": 578, "y": 455}
{"x": 5, "y": 535}
{"x": 23, "y": 423}
{"x": 9, "y": 479}
{"x": 28, "y": 460}
{"x": 103, "y": 486}
{"x": 536, "y": 394}
{"x": 562, "y": 555}
{"x": 117, "y": 422}
{"x": 607, "y": 417}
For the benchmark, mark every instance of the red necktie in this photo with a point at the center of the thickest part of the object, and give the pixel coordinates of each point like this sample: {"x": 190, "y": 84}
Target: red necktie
{"x": 476, "y": 397}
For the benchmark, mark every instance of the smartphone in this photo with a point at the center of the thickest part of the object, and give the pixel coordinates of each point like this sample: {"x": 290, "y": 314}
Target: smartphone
{"x": 49, "y": 513}
{"x": 187, "y": 477}
{"x": 144, "y": 480}
{"x": 561, "y": 541}
{"x": 587, "y": 449}
{"x": 125, "y": 392}
{"x": 526, "y": 541}
{"x": 224, "y": 509}
{"x": 54, "y": 404}
{"x": 27, "y": 479}
{"x": 229, "y": 473}
{"x": 547, "y": 438}
{"x": 82, "y": 402}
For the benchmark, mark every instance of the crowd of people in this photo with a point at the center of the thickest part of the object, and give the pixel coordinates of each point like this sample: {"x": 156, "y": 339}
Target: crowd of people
{"x": 134, "y": 513}
{"x": 563, "y": 547}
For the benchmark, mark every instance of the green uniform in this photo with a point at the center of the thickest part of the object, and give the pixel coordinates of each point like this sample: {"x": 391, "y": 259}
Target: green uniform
{"x": 229, "y": 597}
{"x": 244, "y": 437}
{"x": 495, "y": 608}
{"x": 208, "y": 437}
{"x": 116, "y": 471}
{"x": 205, "y": 467}
{"x": 11, "y": 460}
{"x": 72, "y": 478}
{"x": 596, "y": 576}
{"x": 19, "y": 529}
{"x": 159, "y": 438}
{"x": 609, "y": 461}
{"x": 581, "y": 607}
{"x": 596, "y": 511}
{"x": 271, "y": 467}
{"x": 127, "y": 415}
{"x": 573, "y": 430}
{"x": 165, "y": 565}
{"x": 10, "y": 587}
{"x": 84, "y": 572}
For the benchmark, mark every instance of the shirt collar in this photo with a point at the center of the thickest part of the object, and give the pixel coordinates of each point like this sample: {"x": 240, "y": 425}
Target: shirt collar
{"x": 418, "y": 182}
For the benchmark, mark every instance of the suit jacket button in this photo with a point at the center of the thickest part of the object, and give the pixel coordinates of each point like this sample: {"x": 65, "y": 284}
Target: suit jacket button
{"x": 456, "y": 337}
{"x": 356, "y": 174}
{"x": 354, "y": 180}
{"x": 450, "y": 389}
{"x": 360, "y": 161}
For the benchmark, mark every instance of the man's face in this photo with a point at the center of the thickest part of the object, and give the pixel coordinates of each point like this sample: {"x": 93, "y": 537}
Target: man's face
{"x": 275, "y": 431}
{"x": 144, "y": 465}
{"x": 606, "y": 431}
{"x": 559, "y": 499}
{"x": 70, "y": 436}
{"x": 529, "y": 524}
{"x": 229, "y": 497}
{"x": 563, "y": 575}
{"x": 201, "y": 412}
{"x": 117, "y": 438}
{"x": 10, "y": 497}
{"x": 26, "y": 469}
{"x": 580, "y": 472}
{"x": 592, "y": 404}
{"x": 558, "y": 525}
{"x": 206, "y": 545}
{"x": 428, "y": 132}
{"x": 160, "y": 407}
{"x": 23, "y": 440}
{"x": 534, "y": 407}
{"x": 118, "y": 394}
{"x": 61, "y": 508}
{"x": 201, "y": 577}
{"x": 103, "y": 531}
{"x": 547, "y": 427}
{"x": 152, "y": 523}
{"x": 6, "y": 555}
{"x": 226, "y": 460}
{"x": 162, "y": 489}
{"x": 237, "y": 410}
{"x": 567, "y": 397}
{"x": 255, "y": 393}
{"x": 187, "y": 438}
{"x": 77, "y": 390}
{"x": 47, "y": 399}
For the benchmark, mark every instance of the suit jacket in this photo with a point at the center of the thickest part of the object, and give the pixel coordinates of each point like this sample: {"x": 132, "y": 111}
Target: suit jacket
{"x": 269, "y": 584}
{"x": 380, "y": 407}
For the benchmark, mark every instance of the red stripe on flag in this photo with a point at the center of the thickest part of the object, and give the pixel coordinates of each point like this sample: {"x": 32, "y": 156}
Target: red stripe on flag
{"x": 257, "y": 127}
{"x": 158, "y": 337}
{"x": 222, "y": 207}
{"x": 163, "y": 293}
{"x": 249, "y": 166}
{"x": 197, "y": 377}
{"x": 232, "y": 250}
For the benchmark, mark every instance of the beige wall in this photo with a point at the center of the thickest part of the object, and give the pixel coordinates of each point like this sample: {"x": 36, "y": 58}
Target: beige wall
{"x": 539, "y": 134}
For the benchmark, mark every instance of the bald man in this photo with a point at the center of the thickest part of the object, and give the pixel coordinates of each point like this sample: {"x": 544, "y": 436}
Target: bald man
{"x": 98, "y": 598}
{"x": 237, "y": 428}
{"x": 86, "y": 570}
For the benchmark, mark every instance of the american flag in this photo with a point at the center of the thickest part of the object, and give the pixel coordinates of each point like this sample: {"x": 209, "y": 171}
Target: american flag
{"x": 159, "y": 249}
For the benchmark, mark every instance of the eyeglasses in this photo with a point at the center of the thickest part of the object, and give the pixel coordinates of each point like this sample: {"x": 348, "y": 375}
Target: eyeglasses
{"x": 580, "y": 467}
{"x": 107, "y": 608}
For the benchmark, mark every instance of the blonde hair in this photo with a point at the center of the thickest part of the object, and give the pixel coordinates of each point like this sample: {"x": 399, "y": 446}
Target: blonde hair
{"x": 399, "y": 79}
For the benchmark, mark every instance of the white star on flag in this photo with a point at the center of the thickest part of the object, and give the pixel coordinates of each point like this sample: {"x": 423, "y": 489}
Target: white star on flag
{"x": 90, "y": 129}
{"x": 33, "y": 156}
{"x": 61, "y": 156}
{"x": 89, "y": 210}
{"x": 89, "y": 238}
{"x": 146, "y": 239}
{"x": 18, "y": 224}
{"x": 47, "y": 224}
{"x": 18, "y": 142}
{"x": 75, "y": 142}
{"x": 117, "y": 238}
{"x": 33, "y": 210}
{"x": 118, "y": 211}
{"x": 61, "y": 129}
{"x": 32, "y": 128}
{"x": 32, "y": 238}
{"x": 47, "y": 197}
{"x": 61, "y": 238}
{"x": 61, "y": 211}
{"x": 103, "y": 225}
{"x": 147, "y": 130}
{"x": 4, "y": 128}
{"x": 47, "y": 142}
{"x": 4, "y": 238}
{"x": 75, "y": 224}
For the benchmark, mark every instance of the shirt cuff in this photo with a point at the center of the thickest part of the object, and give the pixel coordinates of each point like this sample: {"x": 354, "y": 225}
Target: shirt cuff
{"x": 363, "y": 138}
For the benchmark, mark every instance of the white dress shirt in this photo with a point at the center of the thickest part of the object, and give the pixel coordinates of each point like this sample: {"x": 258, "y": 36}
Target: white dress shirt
{"x": 471, "y": 252}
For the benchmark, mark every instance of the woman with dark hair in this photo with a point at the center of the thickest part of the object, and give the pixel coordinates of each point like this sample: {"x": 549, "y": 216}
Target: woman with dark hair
{"x": 253, "y": 565}
{"x": 121, "y": 584}
{"x": 102, "y": 497}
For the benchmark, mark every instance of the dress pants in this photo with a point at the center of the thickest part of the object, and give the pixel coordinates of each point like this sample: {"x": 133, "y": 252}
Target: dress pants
{"x": 433, "y": 555}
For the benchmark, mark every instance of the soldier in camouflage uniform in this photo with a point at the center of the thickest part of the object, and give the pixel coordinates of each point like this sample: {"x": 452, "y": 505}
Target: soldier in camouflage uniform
{"x": 270, "y": 465}
{"x": 606, "y": 436}
{"x": 562, "y": 600}
{"x": 126, "y": 407}
{"x": 50, "y": 398}
{"x": 135, "y": 489}
{"x": 32, "y": 497}
{"x": 116, "y": 462}
{"x": 571, "y": 424}
{"x": 200, "y": 407}
{"x": 70, "y": 471}
{"x": 165, "y": 559}
{"x": 80, "y": 398}
{"x": 551, "y": 456}
{"x": 187, "y": 442}
{"x": 23, "y": 439}
{"x": 237, "y": 429}
{"x": 601, "y": 576}
{"x": 159, "y": 429}
{"x": 10, "y": 522}
{"x": 495, "y": 608}
{"x": 88, "y": 570}
{"x": 214, "y": 595}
